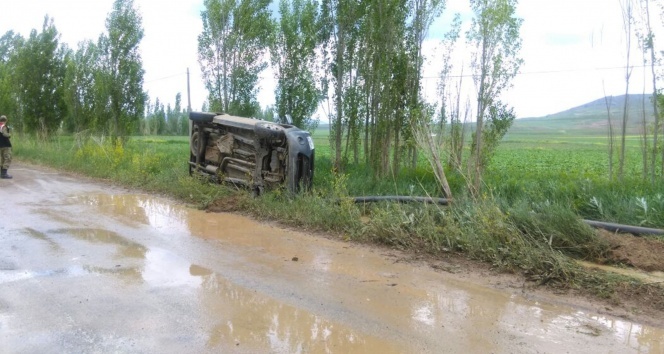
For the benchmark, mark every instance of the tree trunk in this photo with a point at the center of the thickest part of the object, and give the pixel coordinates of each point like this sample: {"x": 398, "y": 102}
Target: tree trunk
{"x": 414, "y": 162}
{"x": 607, "y": 101}
{"x": 366, "y": 125}
{"x": 396, "y": 160}
{"x": 481, "y": 107}
{"x": 627, "y": 21}
{"x": 340, "y": 70}
{"x": 439, "y": 171}
{"x": 224, "y": 83}
{"x": 653, "y": 160}
{"x": 644, "y": 147}
{"x": 623, "y": 132}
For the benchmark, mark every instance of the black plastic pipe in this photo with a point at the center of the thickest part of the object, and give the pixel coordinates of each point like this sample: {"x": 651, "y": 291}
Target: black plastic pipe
{"x": 613, "y": 227}
{"x": 400, "y": 199}
{"x": 636, "y": 230}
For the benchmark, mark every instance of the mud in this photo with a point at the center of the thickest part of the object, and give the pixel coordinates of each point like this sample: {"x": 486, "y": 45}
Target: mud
{"x": 645, "y": 253}
{"x": 647, "y": 277}
{"x": 85, "y": 267}
{"x": 229, "y": 204}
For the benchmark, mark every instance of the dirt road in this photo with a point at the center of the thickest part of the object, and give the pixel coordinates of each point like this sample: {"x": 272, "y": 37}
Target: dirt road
{"x": 87, "y": 267}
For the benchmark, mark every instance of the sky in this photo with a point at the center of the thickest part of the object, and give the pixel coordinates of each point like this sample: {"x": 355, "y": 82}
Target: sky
{"x": 573, "y": 50}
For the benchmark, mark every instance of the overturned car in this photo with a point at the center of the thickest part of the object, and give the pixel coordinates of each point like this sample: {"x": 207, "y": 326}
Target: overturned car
{"x": 258, "y": 154}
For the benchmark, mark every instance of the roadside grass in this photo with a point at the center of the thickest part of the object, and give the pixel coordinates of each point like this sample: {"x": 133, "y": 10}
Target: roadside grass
{"x": 576, "y": 177}
{"x": 153, "y": 164}
{"x": 528, "y": 221}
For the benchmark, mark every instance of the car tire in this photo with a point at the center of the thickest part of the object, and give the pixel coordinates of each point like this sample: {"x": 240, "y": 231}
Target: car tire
{"x": 202, "y": 117}
{"x": 194, "y": 143}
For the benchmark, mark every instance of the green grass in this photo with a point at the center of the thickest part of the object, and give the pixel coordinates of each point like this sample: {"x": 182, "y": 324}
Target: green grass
{"x": 570, "y": 171}
{"x": 155, "y": 164}
{"x": 537, "y": 188}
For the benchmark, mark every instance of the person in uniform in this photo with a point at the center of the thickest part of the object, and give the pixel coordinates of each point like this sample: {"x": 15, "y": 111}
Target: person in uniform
{"x": 5, "y": 148}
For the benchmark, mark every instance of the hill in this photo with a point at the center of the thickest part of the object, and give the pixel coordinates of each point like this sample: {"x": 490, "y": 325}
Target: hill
{"x": 591, "y": 117}
{"x": 587, "y": 119}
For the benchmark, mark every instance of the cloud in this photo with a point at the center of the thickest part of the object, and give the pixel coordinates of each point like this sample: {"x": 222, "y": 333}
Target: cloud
{"x": 76, "y": 20}
{"x": 168, "y": 48}
{"x": 573, "y": 53}
{"x": 573, "y": 49}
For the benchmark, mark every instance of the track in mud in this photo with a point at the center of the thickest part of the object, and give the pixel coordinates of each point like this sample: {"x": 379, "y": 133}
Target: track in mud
{"x": 88, "y": 267}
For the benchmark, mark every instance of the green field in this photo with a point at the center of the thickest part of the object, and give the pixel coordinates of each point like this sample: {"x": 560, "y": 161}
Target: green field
{"x": 536, "y": 189}
{"x": 543, "y": 166}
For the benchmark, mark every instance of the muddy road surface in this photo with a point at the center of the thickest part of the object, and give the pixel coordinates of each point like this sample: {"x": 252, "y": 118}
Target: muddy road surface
{"x": 88, "y": 267}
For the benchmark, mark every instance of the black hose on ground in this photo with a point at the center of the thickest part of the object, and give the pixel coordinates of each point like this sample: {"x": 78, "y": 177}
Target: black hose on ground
{"x": 636, "y": 230}
{"x": 400, "y": 199}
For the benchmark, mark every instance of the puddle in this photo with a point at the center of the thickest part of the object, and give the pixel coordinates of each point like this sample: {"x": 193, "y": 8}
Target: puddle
{"x": 42, "y": 237}
{"x": 647, "y": 277}
{"x": 141, "y": 209}
{"x": 126, "y": 248}
{"x": 19, "y": 275}
{"x": 394, "y": 307}
{"x": 58, "y": 215}
{"x": 125, "y": 273}
{"x": 244, "y": 318}
{"x": 166, "y": 269}
{"x": 284, "y": 329}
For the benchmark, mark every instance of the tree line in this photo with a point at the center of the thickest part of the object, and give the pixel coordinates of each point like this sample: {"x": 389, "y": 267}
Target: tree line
{"x": 96, "y": 88}
{"x": 361, "y": 60}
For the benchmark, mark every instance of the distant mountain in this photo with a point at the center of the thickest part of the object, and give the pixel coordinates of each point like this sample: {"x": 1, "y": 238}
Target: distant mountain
{"x": 589, "y": 118}
{"x": 597, "y": 109}
{"x": 592, "y": 116}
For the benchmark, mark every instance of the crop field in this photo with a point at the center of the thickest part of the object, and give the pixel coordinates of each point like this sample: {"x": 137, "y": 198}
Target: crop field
{"x": 536, "y": 188}
{"x": 542, "y": 154}
{"x": 569, "y": 169}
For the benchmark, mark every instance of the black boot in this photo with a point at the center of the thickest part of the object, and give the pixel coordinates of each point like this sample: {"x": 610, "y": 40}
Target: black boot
{"x": 4, "y": 174}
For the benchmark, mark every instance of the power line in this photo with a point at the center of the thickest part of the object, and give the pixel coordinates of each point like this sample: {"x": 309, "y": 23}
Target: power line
{"x": 544, "y": 72}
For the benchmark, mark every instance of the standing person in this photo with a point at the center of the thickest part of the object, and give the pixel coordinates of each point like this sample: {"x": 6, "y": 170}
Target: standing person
{"x": 5, "y": 147}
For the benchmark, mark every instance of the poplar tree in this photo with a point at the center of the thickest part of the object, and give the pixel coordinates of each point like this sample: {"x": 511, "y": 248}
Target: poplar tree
{"x": 119, "y": 82}
{"x": 294, "y": 60}
{"x": 231, "y": 51}
{"x": 39, "y": 73}
{"x": 494, "y": 36}
{"x": 10, "y": 42}
{"x": 340, "y": 35}
{"x": 79, "y": 93}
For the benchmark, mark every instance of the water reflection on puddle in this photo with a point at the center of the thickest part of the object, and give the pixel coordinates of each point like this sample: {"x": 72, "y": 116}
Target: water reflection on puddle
{"x": 142, "y": 209}
{"x": 243, "y": 317}
{"x": 165, "y": 269}
{"x": 476, "y": 317}
{"x": 125, "y": 247}
{"x": 239, "y": 316}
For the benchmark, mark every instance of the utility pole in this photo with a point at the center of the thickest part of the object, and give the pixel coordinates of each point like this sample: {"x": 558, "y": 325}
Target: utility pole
{"x": 188, "y": 93}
